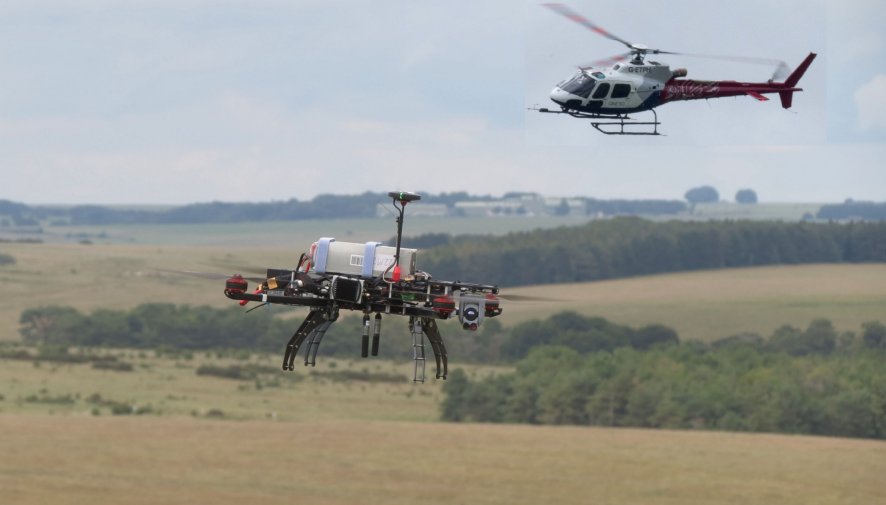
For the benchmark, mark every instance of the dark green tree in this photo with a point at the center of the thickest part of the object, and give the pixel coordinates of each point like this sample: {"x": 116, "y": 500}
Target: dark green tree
{"x": 874, "y": 336}
{"x": 746, "y": 196}
{"x": 51, "y": 325}
{"x": 702, "y": 194}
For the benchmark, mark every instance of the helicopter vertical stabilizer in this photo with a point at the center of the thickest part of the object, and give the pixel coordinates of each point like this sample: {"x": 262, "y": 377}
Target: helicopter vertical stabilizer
{"x": 792, "y": 80}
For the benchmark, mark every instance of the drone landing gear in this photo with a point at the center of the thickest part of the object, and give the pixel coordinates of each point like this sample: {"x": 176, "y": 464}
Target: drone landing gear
{"x": 376, "y": 335}
{"x": 313, "y": 329}
{"x": 419, "y": 327}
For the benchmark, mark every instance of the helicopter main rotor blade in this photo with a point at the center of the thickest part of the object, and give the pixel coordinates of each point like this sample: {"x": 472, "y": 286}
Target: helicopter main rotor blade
{"x": 606, "y": 61}
{"x": 738, "y": 59}
{"x": 782, "y": 69}
{"x": 578, "y": 18}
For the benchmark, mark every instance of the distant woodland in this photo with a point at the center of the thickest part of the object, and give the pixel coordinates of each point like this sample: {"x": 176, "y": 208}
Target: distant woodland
{"x": 320, "y": 207}
{"x": 829, "y": 386}
{"x": 365, "y": 204}
{"x": 624, "y": 247}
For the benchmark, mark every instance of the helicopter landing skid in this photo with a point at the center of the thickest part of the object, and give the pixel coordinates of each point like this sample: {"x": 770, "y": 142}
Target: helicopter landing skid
{"x": 618, "y": 120}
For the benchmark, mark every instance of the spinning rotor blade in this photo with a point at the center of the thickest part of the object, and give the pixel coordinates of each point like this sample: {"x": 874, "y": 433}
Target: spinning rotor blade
{"x": 606, "y": 61}
{"x": 578, "y": 18}
{"x": 251, "y": 269}
{"x": 526, "y": 298}
{"x": 738, "y": 59}
{"x": 207, "y": 275}
{"x": 782, "y": 70}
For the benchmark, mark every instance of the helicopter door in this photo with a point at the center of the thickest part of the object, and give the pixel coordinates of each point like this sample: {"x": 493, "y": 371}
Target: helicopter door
{"x": 601, "y": 91}
{"x": 622, "y": 96}
{"x": 595, "y": 101}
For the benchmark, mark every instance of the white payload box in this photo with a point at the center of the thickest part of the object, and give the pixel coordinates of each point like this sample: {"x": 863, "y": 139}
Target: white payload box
{"x": 366, "y": 260}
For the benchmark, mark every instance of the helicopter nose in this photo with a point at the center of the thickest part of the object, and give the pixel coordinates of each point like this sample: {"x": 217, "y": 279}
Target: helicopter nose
{"x": 559, "y": 96}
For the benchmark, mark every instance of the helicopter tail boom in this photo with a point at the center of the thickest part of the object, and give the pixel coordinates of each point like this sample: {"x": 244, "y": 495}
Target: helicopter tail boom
{"x": 688, "y": 89}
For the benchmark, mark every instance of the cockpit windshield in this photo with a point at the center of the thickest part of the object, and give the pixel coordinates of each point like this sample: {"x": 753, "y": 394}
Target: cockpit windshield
{"x": 579, "y": 84}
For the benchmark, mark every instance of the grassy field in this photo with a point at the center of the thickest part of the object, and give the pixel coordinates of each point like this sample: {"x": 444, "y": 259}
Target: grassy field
{"x": 302, "y": 436}
{"x": 170, "y": 386}
{"x": 759, "y": 211}
{"x": 308, "y": 437}
{"x": 708, "y": 305}
{"x": 701, "y": 305}
{"x": 79, "y": 459}
{"x": 297, "y": 235}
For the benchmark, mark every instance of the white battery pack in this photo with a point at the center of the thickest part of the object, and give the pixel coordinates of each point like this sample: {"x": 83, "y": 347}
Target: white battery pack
{"x": 366, "y": 260}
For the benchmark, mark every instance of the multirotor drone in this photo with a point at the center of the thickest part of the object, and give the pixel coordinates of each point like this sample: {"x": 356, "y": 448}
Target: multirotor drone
{"x": 373, "y": 279}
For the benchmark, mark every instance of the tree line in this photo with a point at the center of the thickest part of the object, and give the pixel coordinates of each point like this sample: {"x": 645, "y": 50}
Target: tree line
{"x": 850, "y": 209}
{"x": 630, "y": 246}
{"x": 183, "y": 327}
{"x": 169, "y": 326}
{"x": 325, "y": 206}
{"x": 569, "y": 368}
{"x": 811, "y": 381}
{"x": 172, "y": 327}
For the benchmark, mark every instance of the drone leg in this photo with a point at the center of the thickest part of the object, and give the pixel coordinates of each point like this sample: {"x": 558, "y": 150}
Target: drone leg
{"x": 317, "y": 335}
{"x": 418, "y": 349}
{"x": 376, "y": 334}
{"x": 364, "y": 349}
{"x": 307, "y": 326}
{"x": 314, "y": 343}
{"x": 430, "y": 328}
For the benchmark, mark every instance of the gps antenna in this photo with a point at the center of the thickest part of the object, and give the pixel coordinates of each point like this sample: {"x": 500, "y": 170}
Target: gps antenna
{"x": 403, "y": 197}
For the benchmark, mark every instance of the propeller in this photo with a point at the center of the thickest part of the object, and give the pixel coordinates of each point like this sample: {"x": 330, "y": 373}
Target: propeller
{"x": 240, "y": 267}
{"x": 208, "y": 275}
{"x": 526, "y": 298}
{"x": 639, "y": 50}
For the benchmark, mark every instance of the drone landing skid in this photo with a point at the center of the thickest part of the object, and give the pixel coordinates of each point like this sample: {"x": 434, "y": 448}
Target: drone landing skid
{"x": 314, "y": 327}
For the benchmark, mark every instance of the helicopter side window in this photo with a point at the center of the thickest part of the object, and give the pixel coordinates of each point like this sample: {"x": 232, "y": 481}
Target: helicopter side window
{"x": 621, "y": 90}
{"x": 601, "y": 91}
{"x": 580, "y": 85}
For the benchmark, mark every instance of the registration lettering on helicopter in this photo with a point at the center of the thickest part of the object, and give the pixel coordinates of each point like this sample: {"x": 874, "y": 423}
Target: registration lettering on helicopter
{"x": 639, "y": 70}
{"x": 692, "y": 90}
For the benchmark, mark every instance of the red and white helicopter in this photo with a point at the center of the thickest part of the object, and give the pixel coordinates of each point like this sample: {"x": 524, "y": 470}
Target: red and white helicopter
{"x": 608, "y": 95}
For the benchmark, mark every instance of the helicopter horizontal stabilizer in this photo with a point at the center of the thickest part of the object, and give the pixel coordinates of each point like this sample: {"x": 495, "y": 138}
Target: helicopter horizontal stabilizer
{"x": 758, "y": 96}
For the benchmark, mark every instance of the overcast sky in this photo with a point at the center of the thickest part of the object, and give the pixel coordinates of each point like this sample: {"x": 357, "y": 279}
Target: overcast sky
{"x": 110, "y": 101}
